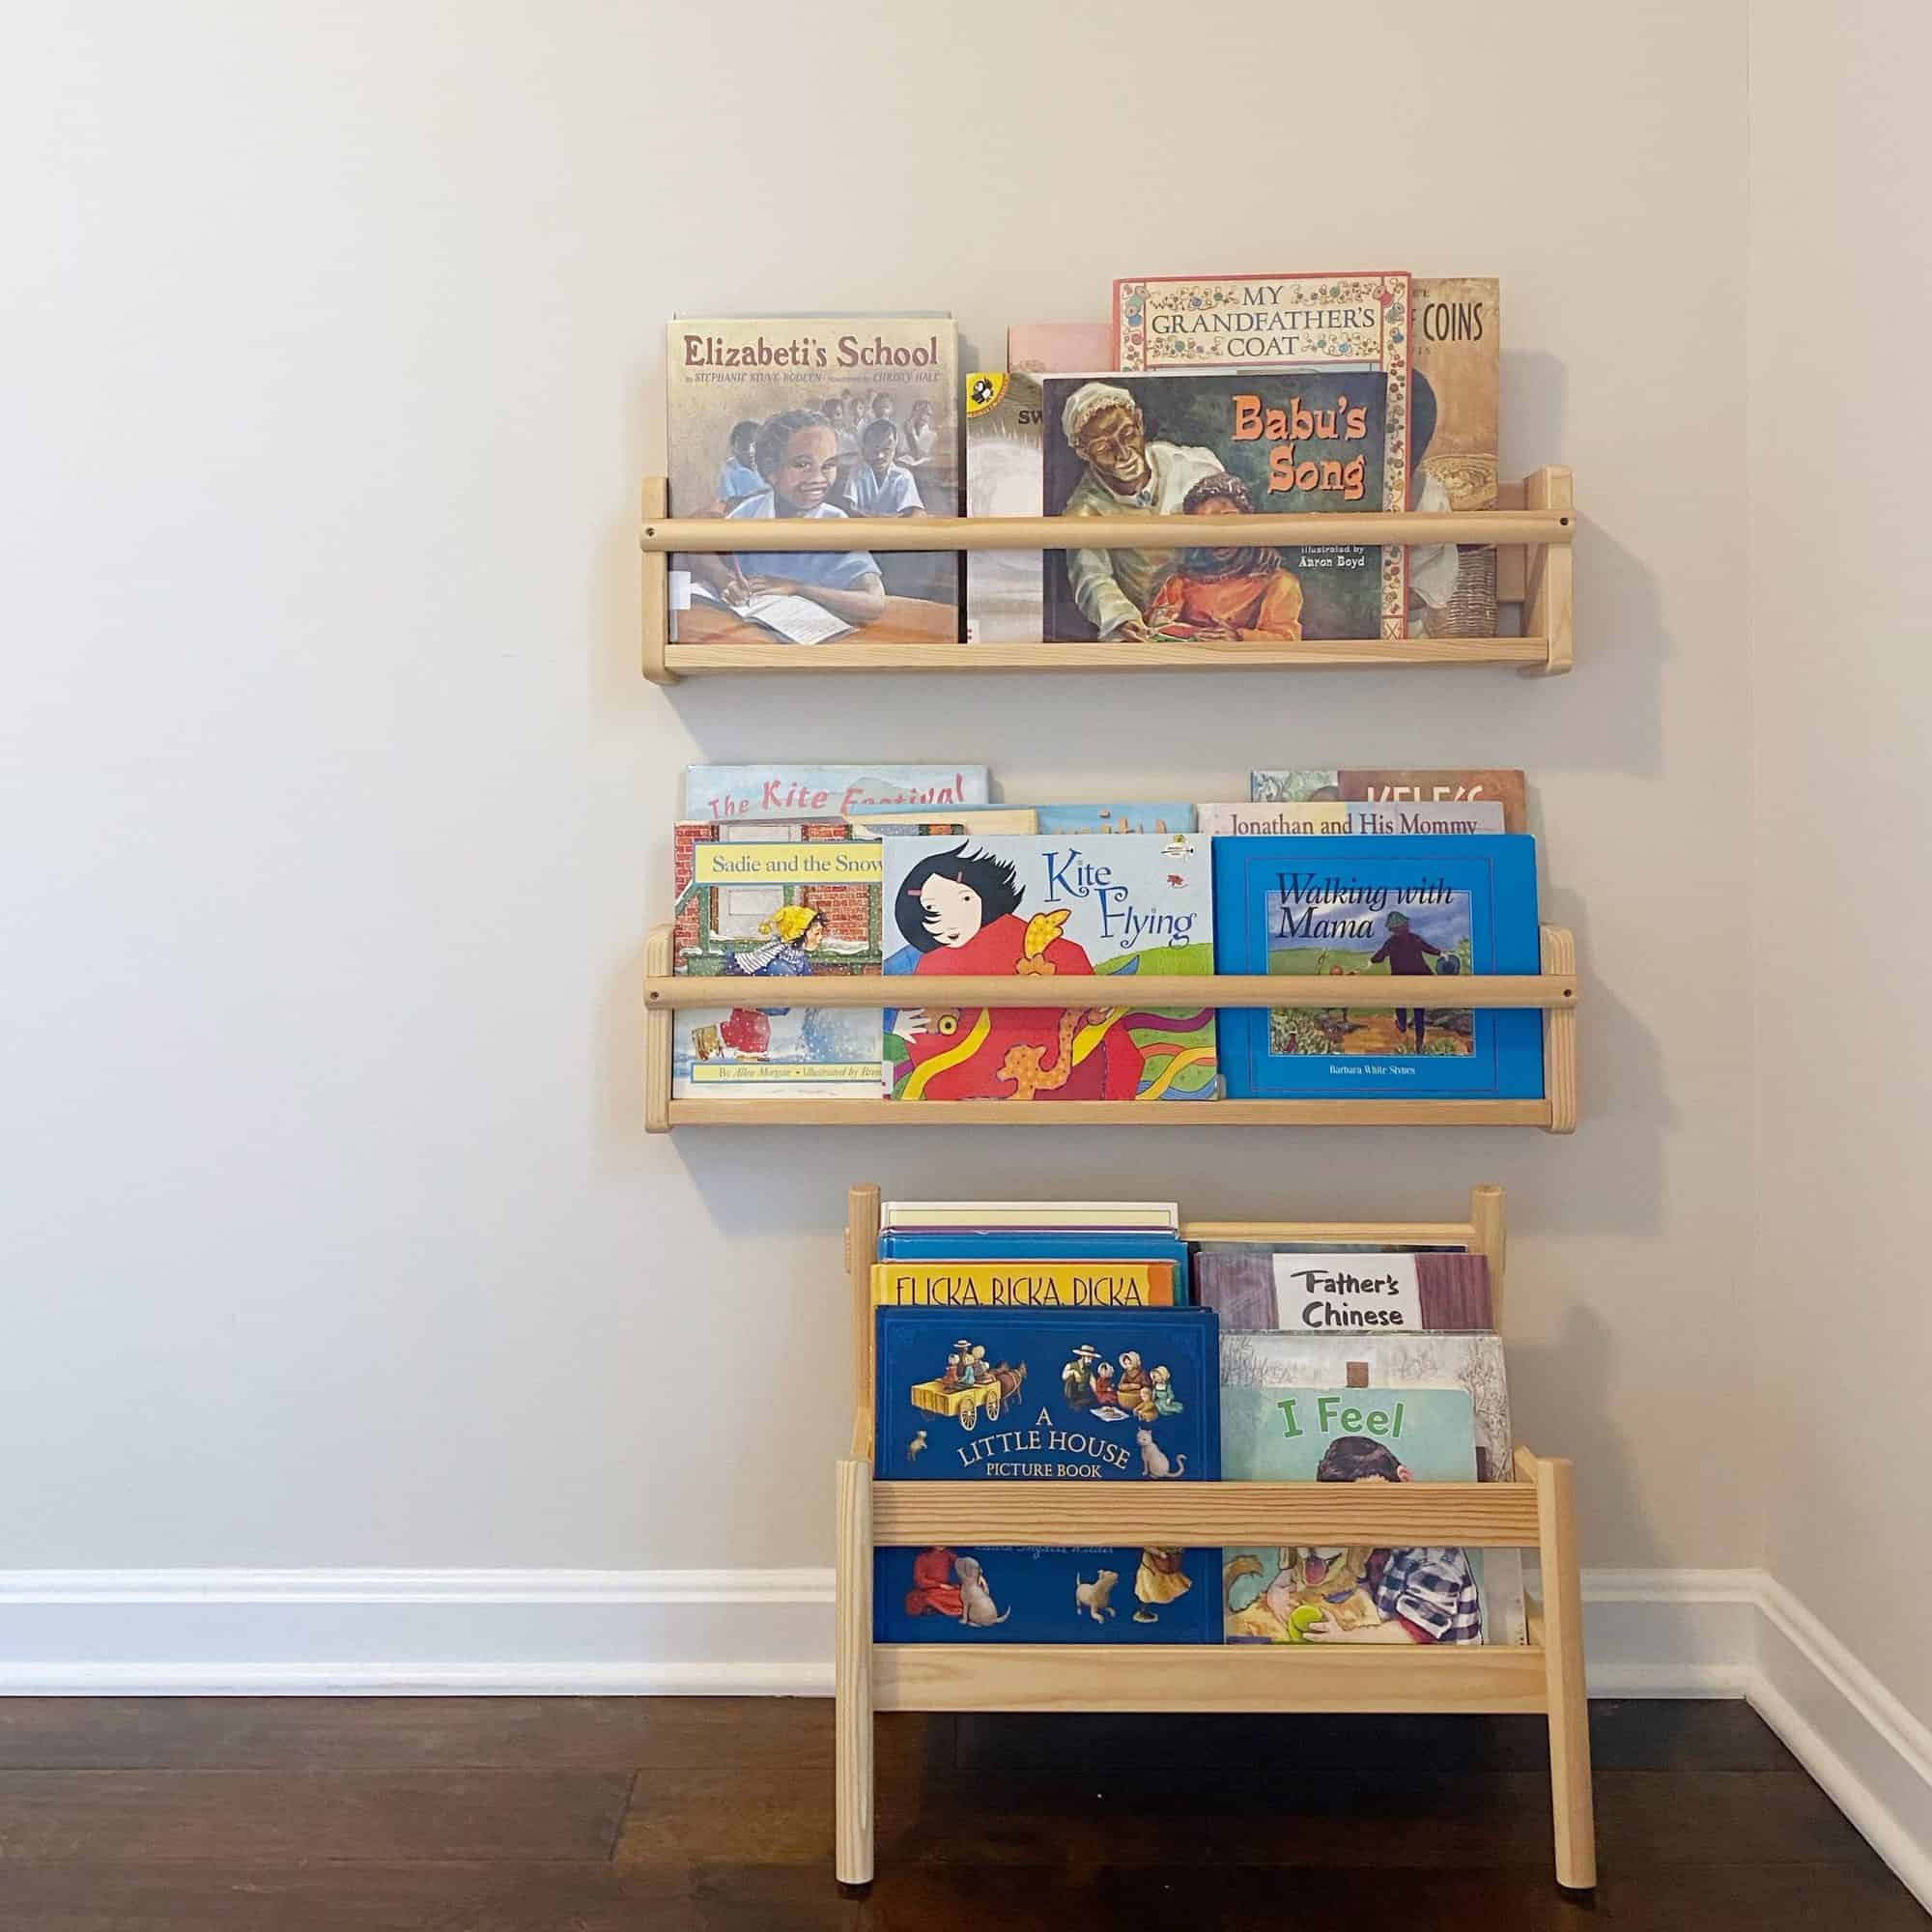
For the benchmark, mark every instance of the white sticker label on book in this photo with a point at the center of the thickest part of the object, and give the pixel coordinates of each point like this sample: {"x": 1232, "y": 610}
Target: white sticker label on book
{"x": 680, "y": 589}
{"x": 1332, "y": 1293}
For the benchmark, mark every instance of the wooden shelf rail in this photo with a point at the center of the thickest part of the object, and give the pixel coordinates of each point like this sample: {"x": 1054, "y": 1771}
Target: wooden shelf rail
{"x": 1537, "y": 1511}
{"x": 1533, "y": 529}
{"x": 1553, "y": 990}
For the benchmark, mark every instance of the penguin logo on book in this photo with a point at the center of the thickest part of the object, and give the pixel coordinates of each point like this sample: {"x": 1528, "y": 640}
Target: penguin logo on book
{"x": 984, "y": 389}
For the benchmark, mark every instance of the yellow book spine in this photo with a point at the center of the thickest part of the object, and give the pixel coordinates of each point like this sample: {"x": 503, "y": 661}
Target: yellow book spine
{"x": 1022, "y": 1284}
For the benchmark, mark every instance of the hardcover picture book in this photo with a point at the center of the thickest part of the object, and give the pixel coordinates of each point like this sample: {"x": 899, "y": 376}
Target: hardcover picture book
{"x": 1341, "y": 1291}
{"x": 828, "y": 791}
{"x": 960, "y": 1283}
{"x": 1338, "y": 908}
{"x": 1219, "y": 446}
{"x": 1389, "y": 786}
{"x": 1003, "y": 479}
{"x": 1455, "y": 435}
{"x": 813, "y": 416}
{"x": 1104, "y": 1395}
{"x": 1354, "y": 1593}
{"x": 1110, "y": 907}
{"x": 1341, "y": 818}
{"x": 757, "y": 904}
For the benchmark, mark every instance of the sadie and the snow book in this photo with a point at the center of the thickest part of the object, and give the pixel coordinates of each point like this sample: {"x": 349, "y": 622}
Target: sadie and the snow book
{"x": 1109, "y": 907}
{"x": 1425, "y": 907}
{"x": 1108, "y": 1395}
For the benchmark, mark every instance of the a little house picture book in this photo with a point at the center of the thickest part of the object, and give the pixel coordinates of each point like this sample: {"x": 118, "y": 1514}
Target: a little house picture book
{"x": 822, "y": 417}
{"x": 1435, "y": 908}
{"x": 758, "y": 904}
{"x": 1295, "y": 784}
{"x": 1108, "y": 907}
{"x": 1218, "y": 446}
{"x": 1117, "y": 1395}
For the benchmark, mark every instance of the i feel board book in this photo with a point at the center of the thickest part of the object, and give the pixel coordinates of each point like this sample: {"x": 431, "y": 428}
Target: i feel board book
{"x": 759, "y": 903}
{"x": 1352, "y": 1593}
{"x": 1109, "y": 907}
{"x": 1435, "y": 908}
{"x": 1104, "y": 1395}
{"x": 820, "y": 416}
{"x": 1219, "y": 446}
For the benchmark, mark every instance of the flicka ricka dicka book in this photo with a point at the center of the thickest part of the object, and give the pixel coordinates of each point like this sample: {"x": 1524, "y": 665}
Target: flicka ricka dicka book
{"x": 1109, "y": 909}
{"x": 1358, "y": 1592}
{"x": 1434, "y": 908}
{"x": 1094, "y": 1394}
{"x": 820, "y": 417}
{"x": 1220, "y": 446}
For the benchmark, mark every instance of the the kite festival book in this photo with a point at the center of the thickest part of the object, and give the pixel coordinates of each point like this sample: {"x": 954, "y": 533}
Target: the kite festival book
{"x": 1108, "y": 907}
{"x": 793, "y": 791}
{"x": 758, "y": 904}
{"x": 821, "y": 417}
{"x": 1427, "y": 907}
{"x": 1110, "y": 1395}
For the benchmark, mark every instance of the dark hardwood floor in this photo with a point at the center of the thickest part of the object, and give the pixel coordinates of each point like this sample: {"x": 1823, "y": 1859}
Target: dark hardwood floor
{"x": 593, "y": 1814}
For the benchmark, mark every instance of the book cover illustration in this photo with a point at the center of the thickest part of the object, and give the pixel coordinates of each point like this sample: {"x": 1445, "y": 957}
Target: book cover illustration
{"x": 773, "y": 901}
{"x": 1316, "y": 1293}
{"x": 1061, "y": 821}
{"x": 1455, "y": 435}
{"x": 819, "y": 416}
{"x": 1003, "y": 479}
{"x": 1217, "y": 447}
{"x": 1111, "y": 1396}
{"x": 828, "y": 791}
{"x": 1111, "y": 908}
{"x": 1031, "y": 1282}
{"x": 1341, "y": 818}
{"x": 1338, "y": 908}
{"x": 1355, "y": 1593}
{"x": 1301, "y": 784}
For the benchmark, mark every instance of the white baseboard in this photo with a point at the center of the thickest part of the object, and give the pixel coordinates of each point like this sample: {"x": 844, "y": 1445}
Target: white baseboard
{"x": 1652, "y": 1634}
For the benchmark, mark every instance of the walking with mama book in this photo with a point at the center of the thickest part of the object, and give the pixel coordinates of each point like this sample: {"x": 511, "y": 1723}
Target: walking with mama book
{"x": 1112, "y": 1395}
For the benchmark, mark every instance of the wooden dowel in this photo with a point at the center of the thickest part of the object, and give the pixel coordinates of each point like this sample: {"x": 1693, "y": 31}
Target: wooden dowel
{"x": 1333, "y": 1233}
{"x": 657, "y": 595}
{"x": 1484, "y": 1516}
{"x": 1489, "y": 1238}
{"x": 1369, "y": 992}
{"x": 1113, "y": 654}
{"x": 1059, "y": 1114}
{"x": 1550, "y": 585}
{"x": 718, "y": 535}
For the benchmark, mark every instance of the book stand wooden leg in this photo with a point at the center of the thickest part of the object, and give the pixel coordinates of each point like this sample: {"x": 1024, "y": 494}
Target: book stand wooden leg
{"x": 1537, "y": 1510}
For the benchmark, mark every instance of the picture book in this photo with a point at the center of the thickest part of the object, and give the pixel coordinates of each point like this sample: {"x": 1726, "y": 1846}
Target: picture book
{"x": 1344, "y": 819}
{"x": 1216, "y": 445}
{"x": 1043, "y": 1244}
{"x": 821, "y": 417}
{"x": 925, "y": 820}
{"x": 827, "y": 791}
{"x": 1312, "y": 1370}
{"x": 1003, "y": 479}
{"x": 774, "y": 900}
{"x": 1154, "y": 1217}
{"x": 1410, "y": 907}
{"x": 1252, "y": 1286}
{"x": 1058, "y": 348}
{"x": 1454, "y": 437}
{"x": 1022, "y": 1284}
{"x": 1031, "y": 1395}
{"x": 1089, "y": 820}
{"x": 1354, "y": 1593}
{"x": 1298, "y": 784}
{"x": 1112, "y": 907}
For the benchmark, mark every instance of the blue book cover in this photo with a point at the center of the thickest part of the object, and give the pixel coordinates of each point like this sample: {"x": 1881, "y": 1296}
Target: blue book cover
{"x": 1046, "y": 1244}
{"x": 1339, "y": 906}
{"x": 1106, "y": 1395}
{"x": 1351, "y": 1594}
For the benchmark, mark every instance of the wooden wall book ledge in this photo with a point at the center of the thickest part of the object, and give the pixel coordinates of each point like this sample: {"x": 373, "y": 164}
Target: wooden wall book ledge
{"x": 1536, "y": 1511}
{"x": 1553, "y": 990}
{"x": 1533, "y": 528}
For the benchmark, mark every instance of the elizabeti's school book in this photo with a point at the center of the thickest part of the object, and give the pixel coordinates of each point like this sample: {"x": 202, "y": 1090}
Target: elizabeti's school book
{"x": 1435, "y": 908}
{"x": 759, "y": 903}
{"x": 819, "y": 416}
{"x": 1355, "y": 1593}
{"x": 1221, "y": 446}
{"x": 1318, "y": 784}
{"x": 1104, "y": 1395}
{"x": 1108, "y": 907}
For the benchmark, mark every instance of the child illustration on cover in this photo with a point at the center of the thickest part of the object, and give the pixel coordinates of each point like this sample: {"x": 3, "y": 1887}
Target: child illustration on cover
{"x": 1225, "y": 590}
{"x": 792, "y": 935}
{"x": 933, "y": 1588}
{"x": 880, "y": 486}
{"x": 1160, "y": 1579}
{"x": 1423, "y": 1595}
{"x": 1406, "y": 951}
{"x": 960, "y": 911}
{"x": 796, "y": 453}
{"x": 740, "y": 478}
